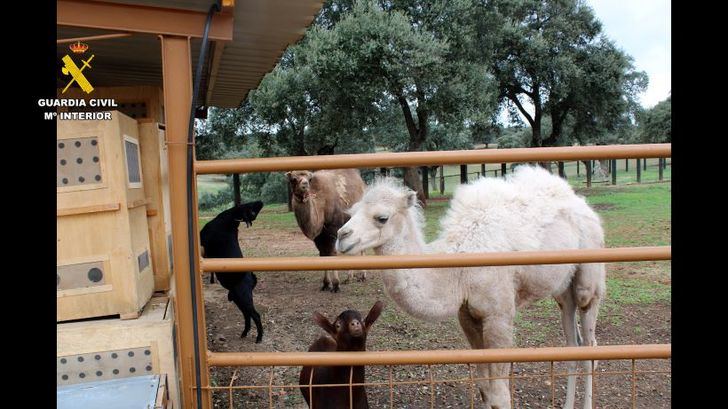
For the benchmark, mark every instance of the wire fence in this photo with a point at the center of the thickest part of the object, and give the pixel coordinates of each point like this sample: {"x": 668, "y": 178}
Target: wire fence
{"x": 633, "y": 383}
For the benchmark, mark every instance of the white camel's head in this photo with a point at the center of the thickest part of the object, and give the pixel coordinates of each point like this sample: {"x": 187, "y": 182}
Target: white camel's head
{"x": 379, "y": 217}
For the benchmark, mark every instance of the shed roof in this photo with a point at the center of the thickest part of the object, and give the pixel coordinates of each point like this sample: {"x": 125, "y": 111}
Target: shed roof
{"x": 262, "y": 30}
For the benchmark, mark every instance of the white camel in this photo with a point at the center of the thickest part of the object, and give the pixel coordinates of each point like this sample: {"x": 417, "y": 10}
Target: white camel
{"x": 531, "y": 210}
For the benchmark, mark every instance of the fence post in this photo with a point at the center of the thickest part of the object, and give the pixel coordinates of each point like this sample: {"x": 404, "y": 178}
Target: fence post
{"x": 482, "y": 169}
{"x": 426, "y": 181}
{"x": 639, "y": 171}
{"x": 503, "y": 169}
{"x": 383, "y": 171}
{"x": 236, "y": 190}
{"x": 660, "y": 168}
{"x": 644, "y": 164}
{"x": 442, "y": 180}
{"x": 577, "y": 168}
{"x": 626, "y": 165}
{"x": 463, "y": 173}
{"x": 588, "y": 173}
{"x": 614, "y": 171}
{"x": 562, "y": 172}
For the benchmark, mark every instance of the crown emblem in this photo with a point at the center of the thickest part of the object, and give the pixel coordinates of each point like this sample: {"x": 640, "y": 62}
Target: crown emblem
{"x": 78, "y": 47}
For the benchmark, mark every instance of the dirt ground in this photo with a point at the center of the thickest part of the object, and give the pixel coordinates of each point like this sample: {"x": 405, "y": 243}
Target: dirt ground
{"x": 286, "y": 302}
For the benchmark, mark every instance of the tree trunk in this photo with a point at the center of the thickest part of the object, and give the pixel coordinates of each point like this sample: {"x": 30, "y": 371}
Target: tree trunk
{"x": 236, "y": 190}
{"x": 413, "y": 181}
{"x": 425, "y": 182}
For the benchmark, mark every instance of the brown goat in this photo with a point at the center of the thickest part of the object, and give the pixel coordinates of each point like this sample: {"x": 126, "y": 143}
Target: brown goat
{"x": 320, "y": 200}
{"x": 347, "y": 333}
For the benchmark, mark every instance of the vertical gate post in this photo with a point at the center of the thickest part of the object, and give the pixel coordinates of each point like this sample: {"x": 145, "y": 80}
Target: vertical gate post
{"x": 588, "y": 173}
{"x": 660, "y": 167}
{"x": 577, "y": 167}
{"x": 644, "y": 164}
{"x": 639, "y": 171}
{"x": 614, "y": 171}
{"x": 177, "y": 81}
{"x": 442, "y": 180}
{"x": 463, "y": 173}
{"x": 482, "y": 169}
{"x": 626, "y": 165}
{"x": 237, "y": 200}
{"x": 562, "y": 172}
{"x": 503, "y": 169}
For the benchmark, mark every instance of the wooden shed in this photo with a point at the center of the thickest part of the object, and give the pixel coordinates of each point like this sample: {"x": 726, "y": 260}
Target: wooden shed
{"x": 139, "y": 46}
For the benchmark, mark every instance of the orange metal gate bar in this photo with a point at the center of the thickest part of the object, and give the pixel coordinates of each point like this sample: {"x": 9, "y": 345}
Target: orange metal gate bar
{"x": 447, "y": 356}
{"x": 372, "y": 160}
{"x": 222, "y": 265}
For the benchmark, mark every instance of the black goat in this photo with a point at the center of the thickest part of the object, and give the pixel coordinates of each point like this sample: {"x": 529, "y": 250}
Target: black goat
{"x": 219, "y": 238}
{"x": 347, "y": 333}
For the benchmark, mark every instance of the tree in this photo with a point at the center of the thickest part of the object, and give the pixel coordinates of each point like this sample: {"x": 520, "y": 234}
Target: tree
{"x": 655, "y": 124}
{"x": 374, "y": 58}
{"x": 551, "y": 56}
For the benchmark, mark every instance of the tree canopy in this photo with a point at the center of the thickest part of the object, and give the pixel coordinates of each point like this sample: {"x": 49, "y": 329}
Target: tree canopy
{"x": 409, "y": 75}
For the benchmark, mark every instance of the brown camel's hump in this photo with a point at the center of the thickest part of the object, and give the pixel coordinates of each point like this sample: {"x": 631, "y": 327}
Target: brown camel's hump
{"x": 339, "y": 187}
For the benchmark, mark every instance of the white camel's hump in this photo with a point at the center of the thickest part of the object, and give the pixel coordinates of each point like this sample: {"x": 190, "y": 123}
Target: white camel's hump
{"x": 513, "y": 214}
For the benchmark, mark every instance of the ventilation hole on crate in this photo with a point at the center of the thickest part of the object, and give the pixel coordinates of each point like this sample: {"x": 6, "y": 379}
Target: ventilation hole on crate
{"x": 96, "y": 159}
{"x": 82, "y": 375}
{"x": 64, "y": 377}
{"x": 95, "y": 275}
{"x": 78, "y": 144}
{"x": 131, "y": 353}
{"x": 97, "y": 357}
{"x": 79, "y": 160}
{"x": 148, "y": 368}
{"x": 132, "y": 369}
{"x": 61, "y": 145}
{"x": 63, "y": 360}
{"x": 98, "y": 178}
{"x": 115, "y": 371}
{"x": 65, "y": 181}
{"x": 94, "y": 142}
{"x": 81, "y": 179}
{"x": 99, "y": 373}
{"x": 80, "y": 359}
{"x": 147, "y": 352}
{"x": 63, "y": 162}
{"x": 114, "y": 355}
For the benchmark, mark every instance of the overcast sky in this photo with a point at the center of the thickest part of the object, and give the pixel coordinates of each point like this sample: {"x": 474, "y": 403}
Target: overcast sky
{"x": 642, "y": 29}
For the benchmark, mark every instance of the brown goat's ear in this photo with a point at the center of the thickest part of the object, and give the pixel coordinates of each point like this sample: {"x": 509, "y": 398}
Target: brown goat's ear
{"x": 324, "y": 323}
{"x": 308, "y": 174}
{"x": 288, "y": 175}
{"x": 373, "y": 314}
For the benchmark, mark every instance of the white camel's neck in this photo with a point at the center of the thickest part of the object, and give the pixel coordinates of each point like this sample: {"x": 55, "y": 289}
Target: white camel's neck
{"x": 428, "y": 294}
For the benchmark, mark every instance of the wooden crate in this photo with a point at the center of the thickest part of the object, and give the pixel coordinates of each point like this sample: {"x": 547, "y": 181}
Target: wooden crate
{"x": 156, "y": 188}
{"x": 109, "y": 348}
{"x": 103, "y": 259}
{"x": 138, "y": 102}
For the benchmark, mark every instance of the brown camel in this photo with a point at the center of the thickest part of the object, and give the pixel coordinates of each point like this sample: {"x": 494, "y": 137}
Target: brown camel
{"x": 320, "y": 200}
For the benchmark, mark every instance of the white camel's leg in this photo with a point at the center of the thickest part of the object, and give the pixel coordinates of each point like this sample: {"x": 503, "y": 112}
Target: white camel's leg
{"x": 588, "y": 318}
{"x": 498, "y": 333}
{"x": 568, "y": 323}
{"x": 473, "y": 330}
{"x": 588, "y": 293}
